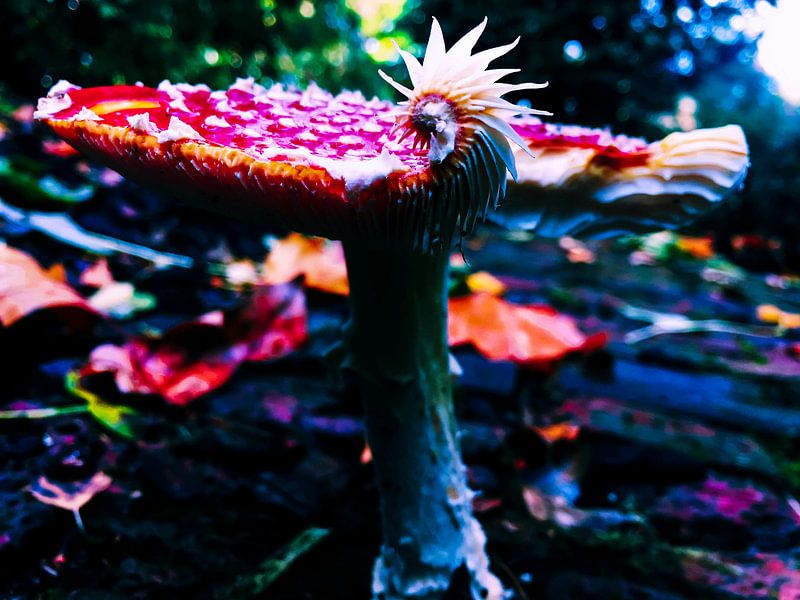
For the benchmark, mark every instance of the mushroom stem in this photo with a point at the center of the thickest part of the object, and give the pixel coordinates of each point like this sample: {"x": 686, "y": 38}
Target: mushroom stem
{"x": 397, "y": 343}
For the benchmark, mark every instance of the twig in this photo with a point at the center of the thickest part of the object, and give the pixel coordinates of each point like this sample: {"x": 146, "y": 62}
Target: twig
{"x": 274, "y": 567}
{"x": 43, "y": 413}
{"x": 61, "y": 227}
{"x": 665, "y": 323}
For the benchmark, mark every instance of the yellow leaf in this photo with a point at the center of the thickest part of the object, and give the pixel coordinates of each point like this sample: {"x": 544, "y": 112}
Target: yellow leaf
{"x": 485, "y": 282}
{"x": 769, "y": 313}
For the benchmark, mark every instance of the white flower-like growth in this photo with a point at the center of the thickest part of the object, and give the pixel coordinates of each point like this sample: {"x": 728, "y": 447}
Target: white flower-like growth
{"x": 454, "y": 91}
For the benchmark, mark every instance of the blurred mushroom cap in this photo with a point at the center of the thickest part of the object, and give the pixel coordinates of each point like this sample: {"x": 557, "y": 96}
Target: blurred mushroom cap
{"x": 587, "y": 183}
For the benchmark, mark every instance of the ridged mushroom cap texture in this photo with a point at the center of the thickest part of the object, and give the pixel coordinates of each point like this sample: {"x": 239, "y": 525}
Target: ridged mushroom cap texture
{"x": 590, "y": 184}
{"x": 342, "y": 167}
{"x": 409, "y": 177}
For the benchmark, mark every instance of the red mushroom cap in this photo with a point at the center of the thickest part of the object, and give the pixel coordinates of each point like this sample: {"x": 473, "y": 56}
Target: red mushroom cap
{"x": 304, "y": 160}
{"x": 407, "y": 177}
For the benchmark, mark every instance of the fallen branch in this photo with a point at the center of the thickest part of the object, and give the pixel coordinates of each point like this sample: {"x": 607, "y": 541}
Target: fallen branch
{"x": 63, "y": 228}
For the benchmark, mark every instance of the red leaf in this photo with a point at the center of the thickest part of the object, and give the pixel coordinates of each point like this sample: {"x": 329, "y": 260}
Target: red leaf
{"x": 558, "y": 431}
{"x": 531, "y": 336}
{"x": 97, "y": 275}
{"x": 197, "y": 357}
{"x": 24, "y": 114}
{"x": 58, "y": 148}
{"x": 25, "y": 288}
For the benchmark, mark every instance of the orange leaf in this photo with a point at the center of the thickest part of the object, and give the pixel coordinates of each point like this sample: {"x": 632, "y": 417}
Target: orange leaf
{"x": 698, "y": 247}
{"x": 25, "y": 287}
{"x": 319, "y": 261}
{"x": 483, "y": 281}
{"x": 57, "y": 272}
{"x": 558, "y": 431}
{"x": 769, "y": 313}
{"x": 531, "y": 336}
{"x": 58, "y": 148}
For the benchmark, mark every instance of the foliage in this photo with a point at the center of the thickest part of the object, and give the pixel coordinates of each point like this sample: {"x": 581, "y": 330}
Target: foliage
{"x": 101, "y": 41}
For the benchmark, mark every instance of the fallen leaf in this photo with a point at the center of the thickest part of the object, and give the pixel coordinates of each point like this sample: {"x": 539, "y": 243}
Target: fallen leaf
{"x": 57, "y": 272}
{"x": 483, "y": 281}
{"x": 769, "y": 313}
{"x": 70, "y": 496}
{"x": 319, "y": 261}
{"x": 762, "y": 576}
{"x": 97, "y": 275}
{"x": 24, "y": 114}
{"x": 558, "y": 431}
{"x": 738, "y": 503}
{"x": 112, "y": 416}
{"x": 241, "y": 272}
{"x": 28, "y": 187}
{"x": 121, "y": 300}
{"x": 705, "y": 444}
{"x": 530, "y": 336}
{"x": 197, "y": 357}
{"x": 754, "y": 242}
{"x": 701, "y": 248}
{"x": 577, "y": 251}
{"x": 552, "y": 497}
{"x": 58, "y": 148}
{"x": 26, "y": 288}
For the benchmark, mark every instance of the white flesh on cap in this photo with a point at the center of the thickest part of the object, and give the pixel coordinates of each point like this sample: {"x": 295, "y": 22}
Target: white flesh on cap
{"x": 562, "y": 193}
{"x": 454, "y": 90}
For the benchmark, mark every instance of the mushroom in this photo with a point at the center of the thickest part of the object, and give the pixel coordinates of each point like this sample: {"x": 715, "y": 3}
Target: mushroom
{"x": 397, "y": 186}
{"x": 590, "y": 184}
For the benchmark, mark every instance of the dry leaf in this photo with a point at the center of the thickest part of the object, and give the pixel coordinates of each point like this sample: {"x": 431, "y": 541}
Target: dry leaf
{"x": 558, "y": 431}
{"x": 769, "y": 313}
{"x": 701, "y": 248}
{"x": 483, "y": 281}
{"x": 71, "y": 496}
{"x": 97, "y": 275}
{"x": 319, "y": 261}
{"x": 531, "y": 336}
{"x": 26, "y": 288}
{"x": 197, "y": 357}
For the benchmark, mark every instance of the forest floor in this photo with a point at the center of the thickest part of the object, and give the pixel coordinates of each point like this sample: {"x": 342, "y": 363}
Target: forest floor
{"x": 661, "y": 465}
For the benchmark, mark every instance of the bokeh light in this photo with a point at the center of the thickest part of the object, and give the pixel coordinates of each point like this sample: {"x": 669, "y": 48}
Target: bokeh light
{"x": 779, "y": 46}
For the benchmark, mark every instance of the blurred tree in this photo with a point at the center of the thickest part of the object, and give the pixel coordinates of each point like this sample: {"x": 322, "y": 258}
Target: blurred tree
{"x": 97, "y": 41}
{"x": 608, "y": 62}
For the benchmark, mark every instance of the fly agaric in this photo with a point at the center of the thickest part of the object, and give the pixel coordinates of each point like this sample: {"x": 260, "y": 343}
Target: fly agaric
{"x": 588, "y": 183}
{"x": 396, "y": 186}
